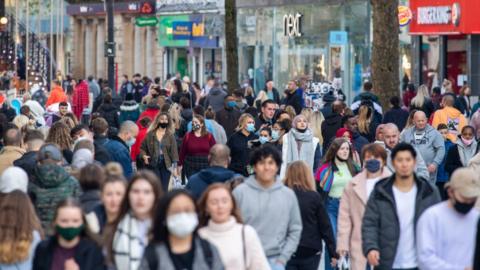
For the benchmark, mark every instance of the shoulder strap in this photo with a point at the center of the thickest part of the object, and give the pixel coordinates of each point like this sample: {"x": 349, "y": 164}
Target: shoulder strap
{"x": 207, "y": 252}
{"x": 151, "y": 257}
{"x": 244, "y": 247}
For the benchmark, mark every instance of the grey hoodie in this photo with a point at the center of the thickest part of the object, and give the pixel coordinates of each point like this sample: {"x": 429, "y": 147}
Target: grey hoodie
{"x": 215, "y": 98}
{"x": 431, "y": 146}
{"x": 274, "y": 213}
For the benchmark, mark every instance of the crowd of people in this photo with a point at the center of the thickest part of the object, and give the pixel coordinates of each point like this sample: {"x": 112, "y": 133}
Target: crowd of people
{"x": 172, "y": 176}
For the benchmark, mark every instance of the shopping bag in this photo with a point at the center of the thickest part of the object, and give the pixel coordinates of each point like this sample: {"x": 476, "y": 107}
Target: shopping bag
{"x": 175, "y": 183}
{"x": 344, "y": 263}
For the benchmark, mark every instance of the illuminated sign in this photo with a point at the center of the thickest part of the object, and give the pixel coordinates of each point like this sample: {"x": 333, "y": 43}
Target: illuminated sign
{"x": 404, "y": 15}
{"x": 292, "y": 25}
{"x": 439, "y": 15}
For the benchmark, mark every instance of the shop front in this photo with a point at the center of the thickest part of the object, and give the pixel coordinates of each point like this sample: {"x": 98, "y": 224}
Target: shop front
{"x": 316, "y": 41}
{"x": 446, "y": 37}
{"x": 192, "y": 42}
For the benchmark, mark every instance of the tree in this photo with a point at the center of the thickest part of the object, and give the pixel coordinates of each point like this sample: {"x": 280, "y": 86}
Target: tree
{"x": 385, "y": 50}
{"x": 231, "y": 44}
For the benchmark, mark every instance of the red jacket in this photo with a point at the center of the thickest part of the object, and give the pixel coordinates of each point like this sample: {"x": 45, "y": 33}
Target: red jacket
{"x": 80, "y": 99}
{"x": 150, "y": 113}
{"x": 407, "y": 98}
{"x": 142, "y": 133}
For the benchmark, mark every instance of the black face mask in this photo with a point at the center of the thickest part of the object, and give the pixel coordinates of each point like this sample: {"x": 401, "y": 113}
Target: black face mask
{"x": 301, "y": 130}
{"x": 163, "y": 125}
{"x": 463, "y": 208}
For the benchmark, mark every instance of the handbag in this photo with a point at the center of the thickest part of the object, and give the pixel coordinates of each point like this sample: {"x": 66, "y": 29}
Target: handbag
{"x": 344, "y": 263}
{"x": 175, "y": 183}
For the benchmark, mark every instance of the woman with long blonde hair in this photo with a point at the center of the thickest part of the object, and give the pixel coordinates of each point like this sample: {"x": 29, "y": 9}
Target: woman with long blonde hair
{"x": 20, "y": 230}
{"x": 367, "y": 124}
{"x": 315, "y": 221}
{"x": 422, "y": 101}
{"x": 315, "y": 124}
{"x": 238, "y": 143}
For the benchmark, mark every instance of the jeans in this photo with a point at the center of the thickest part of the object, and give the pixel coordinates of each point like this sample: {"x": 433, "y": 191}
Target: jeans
{"x": 332, "y": 209}
{"x": 163, "y": 173}
{"x": 308, "y": 263}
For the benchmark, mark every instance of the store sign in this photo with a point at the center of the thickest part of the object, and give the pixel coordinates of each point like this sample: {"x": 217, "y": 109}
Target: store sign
{"x": 338, "y": 37}
{"x": 146, "y": 21}
{"x": 142, "y": 7}
{"x": 164, "y": 6}
{"x": 439, "y": 15}
{"x": 292, "y": 25}
{"x": 404, "y": 15}
{"x": 182, "y": 30}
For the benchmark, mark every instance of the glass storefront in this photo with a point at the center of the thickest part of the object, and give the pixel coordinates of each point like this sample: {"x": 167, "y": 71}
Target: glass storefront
{"x": 334, "y": 43}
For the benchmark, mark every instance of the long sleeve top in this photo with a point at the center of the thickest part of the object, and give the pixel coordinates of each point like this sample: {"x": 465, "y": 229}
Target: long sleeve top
{"x": 80, "y": 99}
{"x": 239, "y": 245}
{"x": 195, "y": 146}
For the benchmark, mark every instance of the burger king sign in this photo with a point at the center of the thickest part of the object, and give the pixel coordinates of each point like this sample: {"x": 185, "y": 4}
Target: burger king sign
{"x": 404, "y": 15}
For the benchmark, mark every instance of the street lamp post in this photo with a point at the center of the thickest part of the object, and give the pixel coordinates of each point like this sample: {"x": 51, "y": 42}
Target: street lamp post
{"x": 111, "y": 46}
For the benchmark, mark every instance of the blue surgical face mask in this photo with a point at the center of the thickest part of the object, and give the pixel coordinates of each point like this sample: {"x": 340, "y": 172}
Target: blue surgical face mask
{"x": 372, "y": 165}
{"x": 251, "y": 127}
{"x": 130, "y": 142}
{"x": 263, "y": 139}
{"x": 275, "y": 135}
{"x": 231, "y": 104}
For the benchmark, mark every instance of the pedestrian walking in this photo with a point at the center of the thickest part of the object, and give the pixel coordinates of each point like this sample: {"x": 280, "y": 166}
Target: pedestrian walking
{"x": 353, "y": 202}
{"x": 315, "y": 221}
{"x": 70, "y": 247}
{"x": 394, "y": 207}
{"x": 463, "y": 151}
{"x": 221, "y": 224}
{"x": 450, "y": 116}
{"x": 422, "y": 101}
{"x": 438, "y": 245}
{"x": 175, "y": 241}
{"x": 131, "y": 228}
{"x": 238, "y": 144}
{"x": 442, "y": 175}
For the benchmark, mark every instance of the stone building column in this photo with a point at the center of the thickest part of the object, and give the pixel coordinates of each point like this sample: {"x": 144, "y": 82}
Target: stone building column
{"x": 149, "y": 53}
{"x": 89, "y": 50}
{"x": 100, "y": 73}
{"x": 137, "y": 50}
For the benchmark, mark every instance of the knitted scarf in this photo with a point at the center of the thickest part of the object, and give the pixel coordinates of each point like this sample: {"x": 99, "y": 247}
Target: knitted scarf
{"x": 304, "y": 141}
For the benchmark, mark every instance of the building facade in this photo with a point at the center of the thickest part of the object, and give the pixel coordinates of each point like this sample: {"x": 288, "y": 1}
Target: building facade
{"x": 317, "y": 40}
{"x": 192, "y": 35}
{"x": 136, "y": 48}
{"x": 446, "y": 42}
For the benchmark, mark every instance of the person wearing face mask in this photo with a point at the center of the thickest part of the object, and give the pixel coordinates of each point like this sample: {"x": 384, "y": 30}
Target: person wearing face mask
{"x": 70, "y": 248}
{"x": 175, "y": 243}
{"x": 119, "y": 146}
{"x": 463, "y": 151}
{"x": 195, "y": 147}
{"x": 353, "y": 202}
{"x": 238, "y": 144}
{"x": 221, "y": 224}
{"x": 159, "y": 151}
{"x": 391, "y": 214}
{"x": 445, "y": 232}
{"x": 336, "y": 171}
{"x": 228, "y": 116}
{"x": 112, "y": 192}
{"x": 279, "y": 129}
{"x": 428, "y": 142}
{"x": 264, "y": 137}
{"x": 299, "y": 144}
{"x": 128, "y": 234}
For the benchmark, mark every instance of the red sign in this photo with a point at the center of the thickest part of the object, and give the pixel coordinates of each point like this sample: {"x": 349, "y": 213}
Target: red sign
{"x": 444, "y": 17}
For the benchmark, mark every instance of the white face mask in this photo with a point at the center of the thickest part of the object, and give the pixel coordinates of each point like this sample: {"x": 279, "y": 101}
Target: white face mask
{"x": 182, "y": 224}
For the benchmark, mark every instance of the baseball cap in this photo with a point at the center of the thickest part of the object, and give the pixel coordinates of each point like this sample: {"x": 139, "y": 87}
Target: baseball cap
{"x": 13, "y": 178}
{"x": 466, "y": 182}
{"x": 49, "y": 152}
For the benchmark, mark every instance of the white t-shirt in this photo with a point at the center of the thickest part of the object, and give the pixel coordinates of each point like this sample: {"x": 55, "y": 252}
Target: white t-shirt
{"x": 446, "y": 238}
{"x": 371, "y": 184}
{"x": 406, "y": 256}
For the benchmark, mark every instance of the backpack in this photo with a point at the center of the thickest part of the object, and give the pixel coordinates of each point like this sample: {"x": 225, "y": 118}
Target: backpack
{"x": 152, "y": 259}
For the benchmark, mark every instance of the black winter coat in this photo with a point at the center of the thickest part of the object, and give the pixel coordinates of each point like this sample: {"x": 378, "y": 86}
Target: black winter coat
{"x": 397, "y": 116}
{"x": 110, "y": 113}
{"x": 315, "y": 221}
{"x": 330, "y": 126}
{"x": 88, "y": 255}
{"x": 381, "y": 228}
{"x": 228, "y": 119}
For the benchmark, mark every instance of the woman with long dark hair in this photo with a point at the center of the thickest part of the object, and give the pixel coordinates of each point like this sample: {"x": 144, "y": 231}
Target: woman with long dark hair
{"x": 221, "y": 224}
{"x": 72, "y": 247}
{"x": 337, "y": 170}
{"x": 128, "y": 234}
{"x": 195, "y": 147}
{"x": 20, "y": 231}
{"x": 175, "y": 242}
{"x": 159, "y": 151}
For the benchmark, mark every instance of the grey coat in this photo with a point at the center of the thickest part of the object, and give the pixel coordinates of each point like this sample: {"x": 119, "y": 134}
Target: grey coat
{"x": 431, "y": 146}
{"x": 199, "y": 260}
{"x": 380, "y": 226}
